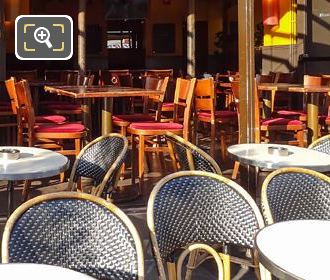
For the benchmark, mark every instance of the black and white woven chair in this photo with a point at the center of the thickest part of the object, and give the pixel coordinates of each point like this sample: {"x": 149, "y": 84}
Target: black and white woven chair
{"x": 322, "y": 145}
{"x": 189, "y": 156}
{"x": 198, "y": 207}
{"x": 100, "y": 160}
{"x": 74, "y": 230}
{"x": 295, "y": 194}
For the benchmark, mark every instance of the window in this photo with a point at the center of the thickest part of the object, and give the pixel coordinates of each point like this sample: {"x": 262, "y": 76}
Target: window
{"x": 121, "y": 40}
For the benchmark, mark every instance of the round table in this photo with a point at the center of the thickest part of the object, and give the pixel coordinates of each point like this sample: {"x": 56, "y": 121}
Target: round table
{"x": 257, "y": 155}
{"x": 39, "y": 272}
{"x": 295, "y": 249}
{"x": 33, "y": 163}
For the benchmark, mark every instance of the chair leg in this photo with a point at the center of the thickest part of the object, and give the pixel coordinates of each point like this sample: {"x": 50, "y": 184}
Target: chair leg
{"x": 26, "y": 190}
{"x": 300, "y": 138}
{"x": 235, "y": 170}
{"x": 223, "y": 146}
{"x": 123, "y": 131}
{"x": 77, "y": 146}
{"x": 141, "y": 160}
{"x": 212, "y": 148}
{"x": 191, "y": 265}
{"x": 172, "y": 155}
{"x": 133, "y": 155}
{"x": 171, "y": 270}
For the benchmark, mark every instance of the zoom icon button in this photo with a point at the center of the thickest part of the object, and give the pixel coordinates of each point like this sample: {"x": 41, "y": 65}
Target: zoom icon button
{"x": 43, "y": 37}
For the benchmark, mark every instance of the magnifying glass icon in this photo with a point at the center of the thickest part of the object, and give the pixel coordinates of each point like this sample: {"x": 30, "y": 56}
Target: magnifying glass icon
{"x": 41, "y": 35}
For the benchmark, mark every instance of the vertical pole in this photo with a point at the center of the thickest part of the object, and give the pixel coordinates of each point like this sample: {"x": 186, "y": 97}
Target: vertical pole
{"x": 2, "y": 42}
{"x": 82, "y": 37}
{"x": 246, "y": 70}
{"x": 191, "y": 60}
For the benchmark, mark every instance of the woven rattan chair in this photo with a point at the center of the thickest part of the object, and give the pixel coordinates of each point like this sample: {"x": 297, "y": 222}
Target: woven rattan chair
{"x": 322, "y": 144}
{"x": 295, "y": 194}
{"x": 189, "y": 156}
{"x": 76, "y": 231}
{"x": 199, "y": 207}
{"x": 100, "y": 160}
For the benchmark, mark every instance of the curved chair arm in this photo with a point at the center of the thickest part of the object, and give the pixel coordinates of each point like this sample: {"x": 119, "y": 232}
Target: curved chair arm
{"x": 204, "y": 247}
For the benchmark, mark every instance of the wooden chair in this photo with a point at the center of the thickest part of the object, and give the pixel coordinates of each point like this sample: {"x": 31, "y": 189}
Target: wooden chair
{"x": 159, "y": 73}
{"x": 141, "y": 131}
{"x": 50, "y": 135}
{"x": 75, "y": 230}
{"x": 205, "y": 112}
{"x": 123, "y": 121}
{"x": 266, "y": 129}
{"x": 30, "y": 75}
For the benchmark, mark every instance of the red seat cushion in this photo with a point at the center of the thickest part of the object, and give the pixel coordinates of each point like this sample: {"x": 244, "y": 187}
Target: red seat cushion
{"x": 64, "y": 106}
{"x": 50, "y": 119}
{"x": 156, "y": 126}
{"x": 133, "y": 118}
{"x": 280, "y": 121}
{"x": 219, "y": 114}
{"x": 287, "y": 113}
{"x": 60, "y": 128}
{"x": 168, "y": 105}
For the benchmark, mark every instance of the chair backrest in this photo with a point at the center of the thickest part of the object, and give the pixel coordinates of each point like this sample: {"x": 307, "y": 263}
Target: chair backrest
{"x": 76, "y": 231}
{"x": 10, "y": 86}
{"x": 322, "y": 144}
{"x": 101, "y": 160}
{"x": 184, "y": 90}
{"x": 284, "y": 77}
{"x": 159, "y": 73}
{"x": 155, "y": 102}
{"x": 195, "y": 206}
{"x": 191, "y": 157}
{"x": 25, "y": 112}
{"x": 312, "y": 80}
{"x": 204, "y": 97}
{"x": 295, "y": 194}
{"x": 270, "y": 78}
{"x": 30, "y": 75}
{"x": 88, "y": 80}
{"x": 115, "y": 77}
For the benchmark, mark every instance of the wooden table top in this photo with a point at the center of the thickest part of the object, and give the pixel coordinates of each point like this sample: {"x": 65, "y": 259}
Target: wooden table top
{"x": 293, "y": 88}
{"x": 100, "y": 91}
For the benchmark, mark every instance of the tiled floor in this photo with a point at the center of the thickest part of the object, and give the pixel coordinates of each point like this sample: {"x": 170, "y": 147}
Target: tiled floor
{"x": 136, "y": 210}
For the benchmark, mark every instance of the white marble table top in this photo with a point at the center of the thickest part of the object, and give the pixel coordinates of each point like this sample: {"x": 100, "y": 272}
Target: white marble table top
{"x": 257, "y": 155}
{"x": 33, "y": 163}
{"x": 18, "y": 271}
{"x": 296, "y": 249}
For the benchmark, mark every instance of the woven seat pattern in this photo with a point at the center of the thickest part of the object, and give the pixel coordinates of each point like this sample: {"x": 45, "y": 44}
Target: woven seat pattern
{"x": 323, "y": 145}
{"x": 295, "y": 196}
{"x": 98, "y": 158}
{"x": 191, "y": 209}
{"x": 75, "y": 234}
{"x": 200, "y": 162}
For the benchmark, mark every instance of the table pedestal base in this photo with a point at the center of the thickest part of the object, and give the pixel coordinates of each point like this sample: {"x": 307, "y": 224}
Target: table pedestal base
{"x": 10, "y": 196}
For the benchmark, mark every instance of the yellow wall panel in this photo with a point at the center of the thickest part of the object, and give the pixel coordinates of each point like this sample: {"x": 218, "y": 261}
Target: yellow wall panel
{"x": 285, "y": 32}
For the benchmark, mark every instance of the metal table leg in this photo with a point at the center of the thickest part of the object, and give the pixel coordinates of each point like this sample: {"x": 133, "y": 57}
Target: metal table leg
{"x": 10, "y": 196}
{"x": 312, "y": 116}
{"x": 106, "y": 116}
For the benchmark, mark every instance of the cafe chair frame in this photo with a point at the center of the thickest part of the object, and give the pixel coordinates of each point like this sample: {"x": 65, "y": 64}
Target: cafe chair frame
{"x": 189, "y": 156}
{"x": 294, "y": 194}
{"x": 322, "y": 144}
{"x": 186, "y": 207}
{"x": 74, "y": 230}
{"x": 101, "y": 161}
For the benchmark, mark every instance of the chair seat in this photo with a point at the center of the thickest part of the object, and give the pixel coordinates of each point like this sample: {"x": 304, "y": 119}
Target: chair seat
{"x": 289, "y": 113}
{"x": 133, "y": 118}
{"x": 156, "y": 126}
{"x": 280, "y": 121}
{"x": 64, "y": 106}
{"x": 219, "y": 114}
{"x": 168, "y": 105}
{"x": 60, "y": 128}
{"x": 51, "y": 119}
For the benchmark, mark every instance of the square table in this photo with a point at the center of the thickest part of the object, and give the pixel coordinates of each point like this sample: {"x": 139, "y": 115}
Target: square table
{"x": 107, "y": 93}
